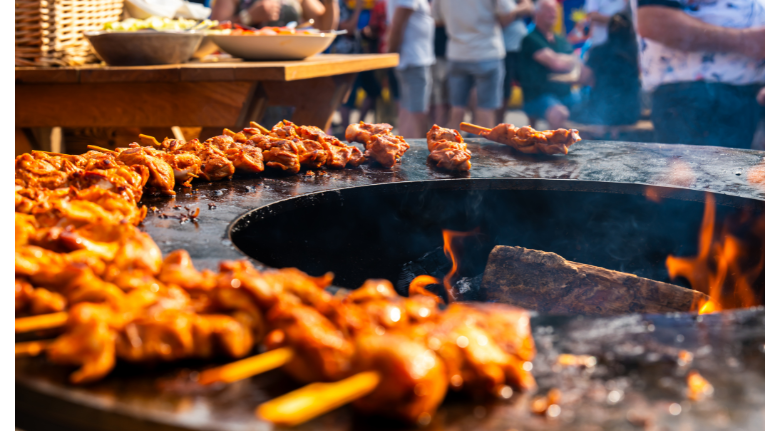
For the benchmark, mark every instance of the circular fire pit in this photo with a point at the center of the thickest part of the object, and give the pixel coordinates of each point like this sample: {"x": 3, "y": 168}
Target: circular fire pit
{"x": 590, "y": 207}
{"x": 372, "y": 231}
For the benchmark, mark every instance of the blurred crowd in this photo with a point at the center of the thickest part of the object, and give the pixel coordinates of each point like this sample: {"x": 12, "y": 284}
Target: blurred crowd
{"x": 693, "y": 69}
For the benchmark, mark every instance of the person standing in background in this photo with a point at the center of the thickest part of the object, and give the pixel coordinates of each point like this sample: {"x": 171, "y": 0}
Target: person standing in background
{"x": 513, "y": 35}
{"x": 276, "y": 12}
{"x": 411, "y": 33}
{"x": 705, "y": 63}
{"x": 600, "y": 12}
{"x": 476, "y": 54}
{"x": 544, "y": 53}
{"x": 440, "y": 96}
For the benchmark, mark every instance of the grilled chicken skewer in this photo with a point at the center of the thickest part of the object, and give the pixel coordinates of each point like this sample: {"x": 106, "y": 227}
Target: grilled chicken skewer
{"x": 382, "y": 146}
{"x": 527, "y": 140}
{"x": 447, "y": 149}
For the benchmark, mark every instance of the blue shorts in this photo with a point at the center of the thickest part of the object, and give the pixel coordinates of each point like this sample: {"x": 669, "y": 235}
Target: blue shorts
{"x": 414, "y": 86}
{"x": 487, "y": 77}
{"x": 538, "y": 107}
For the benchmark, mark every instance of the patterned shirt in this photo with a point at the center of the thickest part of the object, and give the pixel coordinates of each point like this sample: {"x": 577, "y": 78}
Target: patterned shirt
{"x": 660, "y": 64}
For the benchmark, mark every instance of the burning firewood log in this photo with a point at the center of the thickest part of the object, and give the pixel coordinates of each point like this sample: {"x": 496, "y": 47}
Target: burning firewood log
{"x": 546, "y": 282}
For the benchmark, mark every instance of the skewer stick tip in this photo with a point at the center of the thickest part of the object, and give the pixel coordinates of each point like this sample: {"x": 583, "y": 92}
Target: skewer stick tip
{"x": 248, "y": 367}
{"x": 259, "y": 127}
{"x": 316, "y": 399}
{"x": 101, "y": 149}
{"x": 474, "y": 129}
{"x": 31, "y": 348}
{"x": 42, "y": 321}
{"x": 150, "y": 140}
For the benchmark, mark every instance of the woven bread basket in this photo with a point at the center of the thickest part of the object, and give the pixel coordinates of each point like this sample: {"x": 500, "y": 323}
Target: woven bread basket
{"x": 49, "y": 32}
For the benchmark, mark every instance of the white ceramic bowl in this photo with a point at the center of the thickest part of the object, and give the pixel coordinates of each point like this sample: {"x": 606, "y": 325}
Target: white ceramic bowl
{"x": 273, "y": 47}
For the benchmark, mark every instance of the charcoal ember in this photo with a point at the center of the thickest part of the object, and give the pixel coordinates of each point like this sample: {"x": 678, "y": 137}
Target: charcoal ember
{"x": 467, "y": 288}
{"x": 433, "y": 263}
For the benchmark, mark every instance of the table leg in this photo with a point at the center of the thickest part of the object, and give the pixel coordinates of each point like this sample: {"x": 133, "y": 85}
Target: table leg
{"x": 315, "y": 100}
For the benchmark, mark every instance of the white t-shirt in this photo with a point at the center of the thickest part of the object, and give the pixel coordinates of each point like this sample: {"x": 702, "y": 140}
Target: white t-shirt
{"x": 599, "y": 32}
{"x": 473, "y": 28}
{"x": 514, "y": 32}
{"x": 418, "y": 38}
{"x": 660, "y": 64}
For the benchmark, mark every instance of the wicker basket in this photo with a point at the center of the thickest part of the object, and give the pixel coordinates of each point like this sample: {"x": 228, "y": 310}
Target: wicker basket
{"x": 49, "y": 32}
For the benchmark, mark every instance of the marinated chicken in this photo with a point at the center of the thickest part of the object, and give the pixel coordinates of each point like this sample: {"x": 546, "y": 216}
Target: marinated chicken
{"x": 436, "y": 134}
{"x": 161, "y": 177}
{"x": 449, "y": 155}
{"x": 364, "y": 132}
{"x": 386, "y": 149}
{"x": 527, "y": 140}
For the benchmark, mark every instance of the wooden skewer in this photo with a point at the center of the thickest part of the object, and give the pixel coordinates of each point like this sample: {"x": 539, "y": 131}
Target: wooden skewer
{"x": 151, "y": 140}
{"x": 316, "y": 399}
{"x": 31, "y": 348}
{"x": 259, "y": 127}
{"x": 101, "y": 149}
{"x": 472, "y": 128}
{"x": 248, "y": 367}
{"x": 42, "y": 321}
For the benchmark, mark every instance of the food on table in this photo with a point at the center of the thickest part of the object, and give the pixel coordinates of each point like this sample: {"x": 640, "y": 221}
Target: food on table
{"x": 447, "y": 149}
{"x": 527, "y": 140}
{"x": 229, "y": 28}
{"x": 158, "y": 23}
{"x": 382, "y": 146}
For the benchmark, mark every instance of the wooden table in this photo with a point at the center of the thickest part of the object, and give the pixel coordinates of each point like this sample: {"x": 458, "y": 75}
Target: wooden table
{"x": 209, "y": 95}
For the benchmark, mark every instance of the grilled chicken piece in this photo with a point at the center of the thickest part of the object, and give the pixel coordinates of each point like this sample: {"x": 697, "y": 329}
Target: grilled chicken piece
{"x": 186, "y": 166}
{"x": 322, "y": 352}
{"x": 386, "y": 149}
{"x": 479, "y": 359}
{"x": 311, "y": 154}
{"x": 37, "y": 301}
{"x": 89, "y": 345}
{"x": 285, "y": 130}
{"x": 283, "y": 154}
{"x": 413, "y": 378}
{"x": 161, "y": 175}
{"x": 215, "y": 165}
{"x": 528, "y": 140}
{"x": 338, "y": 154}
{"x": 436, "y": 134}
{"x": 46, "y": 172}
{"x": 449, "y": 155}
{"x": 247, "y": 158}
{"x": 363, "y": 132}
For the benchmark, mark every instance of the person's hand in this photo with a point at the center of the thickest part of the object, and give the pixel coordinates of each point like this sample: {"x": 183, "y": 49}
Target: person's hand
{"x": 525, "y": 8}
{"x": 761, "y": 96}
{"x": 265, "y": 10}
{"x": 753, "y": 42}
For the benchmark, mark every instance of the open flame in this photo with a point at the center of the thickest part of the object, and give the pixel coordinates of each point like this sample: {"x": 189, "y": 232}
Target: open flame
{"x": 417, "y": 286}
{"x": 724, "y": 269}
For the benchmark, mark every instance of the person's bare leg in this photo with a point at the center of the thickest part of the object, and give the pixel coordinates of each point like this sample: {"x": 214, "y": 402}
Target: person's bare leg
{"x": 501, "y": 112}
{"x": 556, "y": 116}
{"x": 412, "y": 125}
{"x": 456, "y": 116}
{"x": 441, "y": 114}
{"x": 485, "y": 117}
{"x": 366, "y": 106}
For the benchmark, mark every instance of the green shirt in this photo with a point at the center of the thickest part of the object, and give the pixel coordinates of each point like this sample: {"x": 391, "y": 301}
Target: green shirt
{"x": 532, "y": 75}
